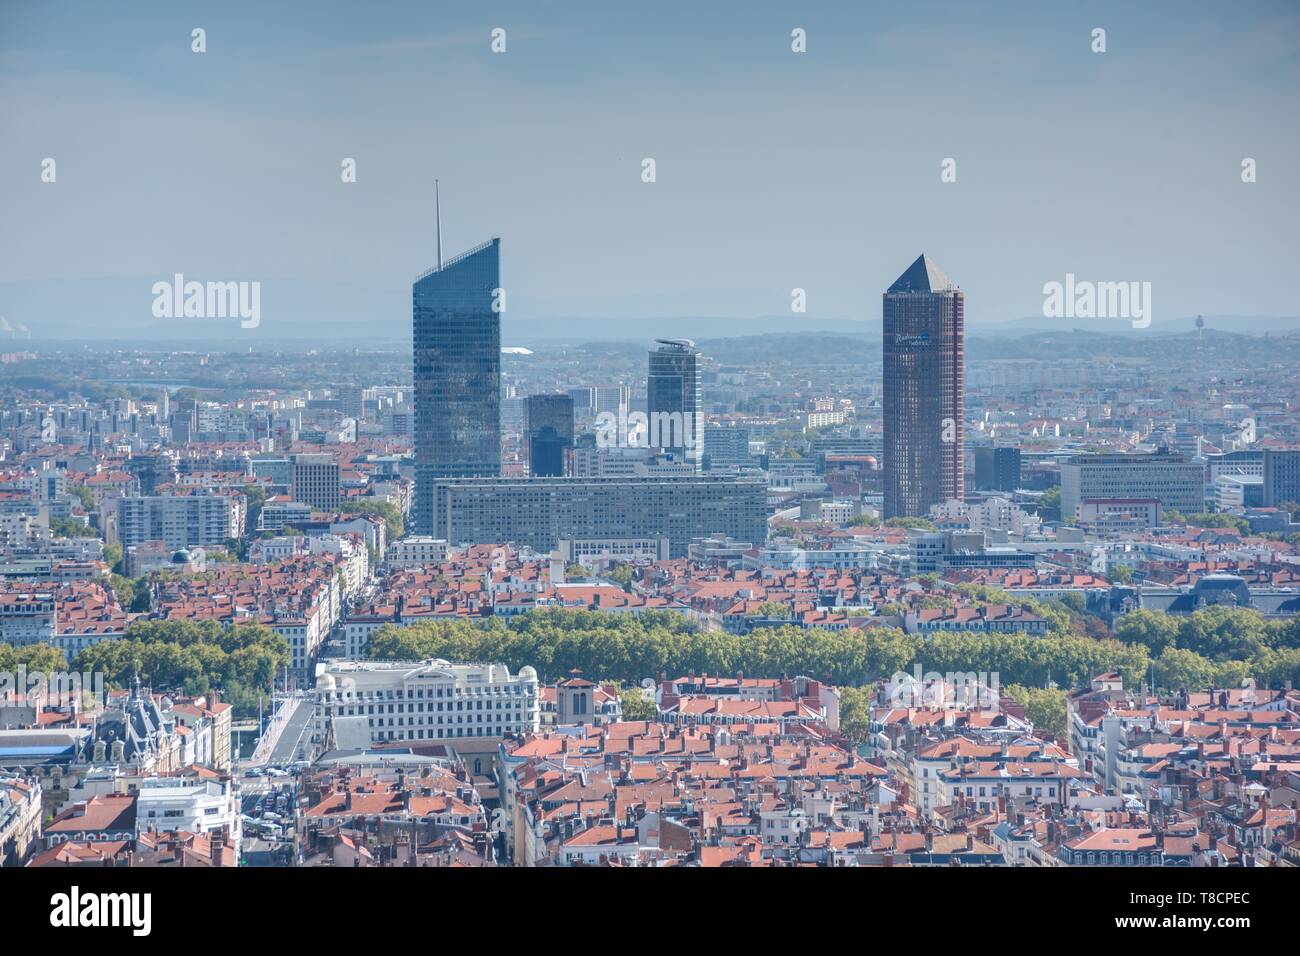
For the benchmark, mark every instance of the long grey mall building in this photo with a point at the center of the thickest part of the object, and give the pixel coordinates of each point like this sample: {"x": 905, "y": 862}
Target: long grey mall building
{"x": 539, "y": 512}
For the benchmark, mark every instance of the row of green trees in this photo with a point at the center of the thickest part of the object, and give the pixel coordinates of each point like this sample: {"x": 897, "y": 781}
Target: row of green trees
{"x": 627, "y": 648}
{"x": 1044, "y": 707}
{"x": 394, "y": 524}
{"x": 1220, "y": 633}
{"x": 914, "y": 523}
{"x": 1215, "y": 647}
{"x": 71, "y": 528}
{"x": 193, "y": 657}
{"x": 1208, "y": 519}
{"x": 188, "y": 657}
{"x": 37, "y": 658}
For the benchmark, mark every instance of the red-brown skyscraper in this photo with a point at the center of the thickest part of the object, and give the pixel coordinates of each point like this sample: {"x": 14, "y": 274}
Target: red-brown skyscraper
{"x": 924, "y": 313}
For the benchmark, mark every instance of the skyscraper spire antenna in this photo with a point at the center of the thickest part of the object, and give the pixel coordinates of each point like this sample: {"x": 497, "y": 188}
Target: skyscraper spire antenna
{"x": 437, "y": 207}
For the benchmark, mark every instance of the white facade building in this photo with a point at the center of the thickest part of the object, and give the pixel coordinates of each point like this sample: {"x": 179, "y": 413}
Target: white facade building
{"x": 27, "y": 618}
{"x": 416, "y": 551}
{"x": 373, "y": 701}
{"x": 991, "y": 514}
{"x": 182, "y": 803}
{"x": 182, "y": 521}
{"x": 595, "y": 551}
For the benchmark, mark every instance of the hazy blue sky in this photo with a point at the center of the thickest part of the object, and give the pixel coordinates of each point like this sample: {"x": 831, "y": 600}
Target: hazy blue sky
{"x": 775, "y": 170}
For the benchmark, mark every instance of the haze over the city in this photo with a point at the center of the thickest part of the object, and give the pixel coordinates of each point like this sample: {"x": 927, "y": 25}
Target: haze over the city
{"x": 774, "y": 170}
{"x": 606, "y": 437}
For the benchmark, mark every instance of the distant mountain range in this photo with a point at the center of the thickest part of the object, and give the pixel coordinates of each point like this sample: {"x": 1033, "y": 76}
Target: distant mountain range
{"x": 1243, "y": 324}
{"x": 296, "y": 311}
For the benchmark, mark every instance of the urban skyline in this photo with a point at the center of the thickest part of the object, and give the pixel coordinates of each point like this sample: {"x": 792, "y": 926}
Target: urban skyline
{"x": 594, "y": 519}
{"x": 352, "y": 83}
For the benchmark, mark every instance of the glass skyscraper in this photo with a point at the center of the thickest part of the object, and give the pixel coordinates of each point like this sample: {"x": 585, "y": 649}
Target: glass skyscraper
{"x": 997, "y": 468}
{"x": 548, "y": 434}
{"x": 673, "y": 405}
{"x": 924, "y": 315}
{"x": 457, "y": 350}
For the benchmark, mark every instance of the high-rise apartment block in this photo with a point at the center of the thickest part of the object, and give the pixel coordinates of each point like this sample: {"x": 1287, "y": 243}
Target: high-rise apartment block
{"x": 314, "y": 480}
{"x": 615, "y": 399}
{"x": 595, "y": 399}
{"x": 1177, "y": 483}
{"x": 352, "y": 401}
{"x": 1281, "y": 476}
{"x": 181, "y": 521}
{"x": 726, "y": 446}
{"x": 539, "y": 512}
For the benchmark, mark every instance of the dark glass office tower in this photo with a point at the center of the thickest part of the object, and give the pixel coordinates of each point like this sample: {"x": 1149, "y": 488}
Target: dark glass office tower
{"x": 673, "y": 404}
{"x": 457, "y": 339}
{"x": 924, "y": 312}
{"x": 548, "y": 434}
{"x": 997, "y": 468}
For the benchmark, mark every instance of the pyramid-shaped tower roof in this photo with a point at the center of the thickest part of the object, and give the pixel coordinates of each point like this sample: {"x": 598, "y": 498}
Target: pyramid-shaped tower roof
{"x": 923, "y": 276}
